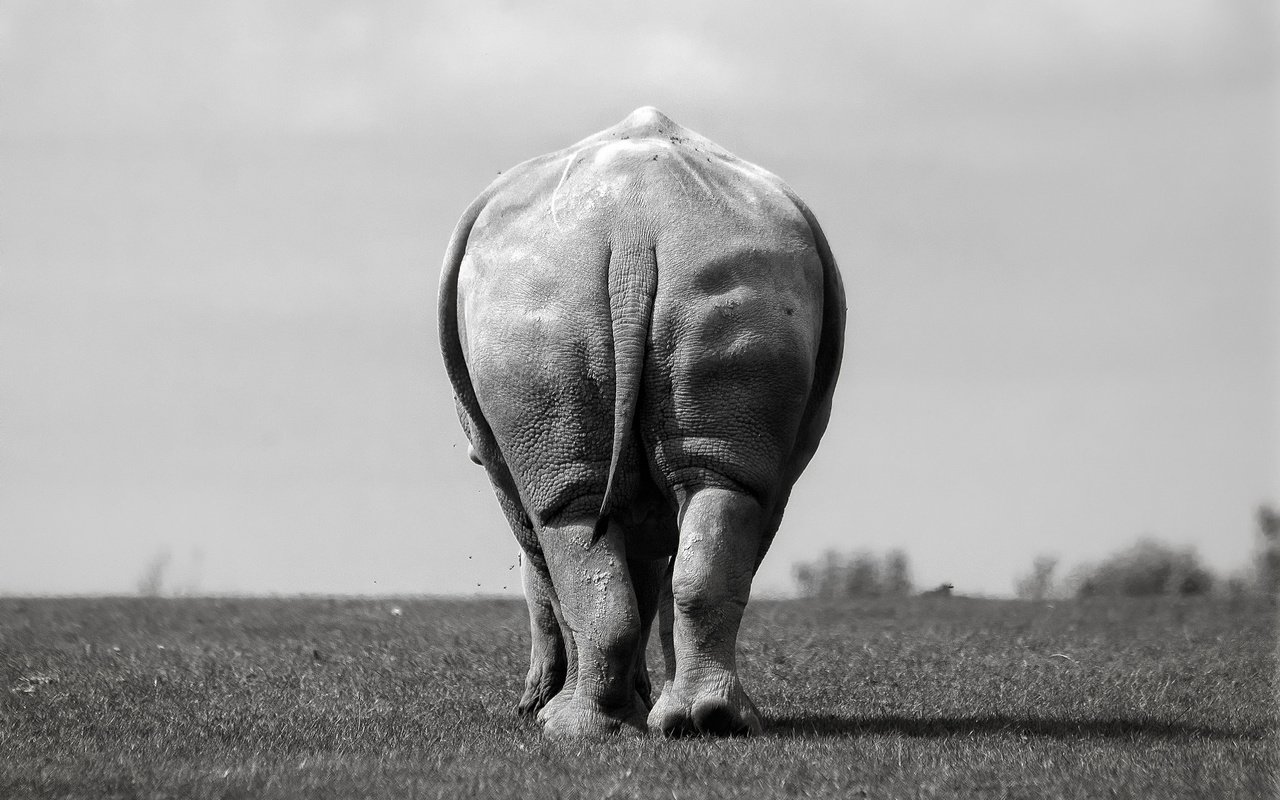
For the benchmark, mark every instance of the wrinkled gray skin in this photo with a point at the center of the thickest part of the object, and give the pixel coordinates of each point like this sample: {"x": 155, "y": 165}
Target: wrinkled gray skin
{"x": 643, "y": 333}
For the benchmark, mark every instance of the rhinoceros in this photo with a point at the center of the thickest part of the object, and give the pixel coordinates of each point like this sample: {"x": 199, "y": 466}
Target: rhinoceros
{"x": 643, "y": 333}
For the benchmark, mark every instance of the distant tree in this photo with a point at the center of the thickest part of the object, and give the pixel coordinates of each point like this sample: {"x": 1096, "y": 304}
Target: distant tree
{"x": 862, "y": 574}
{"x": 897, "y": 573}
{"x": 833, "y": 567}
{"x": 818, "y": 578}
{"x": 1037, "y": 584}
{"x": 151, "y": 581}
{"x": 806, "y": 580}
{"x": 1267, "y": 557}
{"x": 1147, "y": 568}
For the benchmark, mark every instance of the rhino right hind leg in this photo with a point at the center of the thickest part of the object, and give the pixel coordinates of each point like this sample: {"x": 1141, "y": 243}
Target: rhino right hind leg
{"x": 720, "y": 536}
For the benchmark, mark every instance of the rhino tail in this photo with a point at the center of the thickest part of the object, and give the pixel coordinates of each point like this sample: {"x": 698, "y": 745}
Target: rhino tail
{"x": 633, "y": 282}
{"x": 477, "y": 428}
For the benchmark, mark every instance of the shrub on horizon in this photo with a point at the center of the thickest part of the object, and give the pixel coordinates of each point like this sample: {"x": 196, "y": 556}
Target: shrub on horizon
{"x": 1148, "y": 568}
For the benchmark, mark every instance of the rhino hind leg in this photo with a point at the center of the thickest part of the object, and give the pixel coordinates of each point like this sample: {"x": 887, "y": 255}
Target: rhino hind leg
{"x": 647, "y": 578}
{"x": 720, "y": 535}
{"x": 598, "y": 605}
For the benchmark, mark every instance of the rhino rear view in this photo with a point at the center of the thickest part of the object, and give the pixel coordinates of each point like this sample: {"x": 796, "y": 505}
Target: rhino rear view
{"x": 643, "y": 333}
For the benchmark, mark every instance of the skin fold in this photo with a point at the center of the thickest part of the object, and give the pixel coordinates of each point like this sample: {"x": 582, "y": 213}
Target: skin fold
{"x": 643, "y": 333}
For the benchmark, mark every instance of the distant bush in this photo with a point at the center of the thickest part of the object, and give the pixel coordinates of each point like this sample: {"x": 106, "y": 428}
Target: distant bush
{"x": 859, "y": 575}
{"x": 1147, "y": 568}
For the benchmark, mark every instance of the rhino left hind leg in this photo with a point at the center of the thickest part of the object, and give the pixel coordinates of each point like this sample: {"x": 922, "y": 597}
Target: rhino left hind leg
{"x": 647, "y": 577}
{"x": 593, "y": 586}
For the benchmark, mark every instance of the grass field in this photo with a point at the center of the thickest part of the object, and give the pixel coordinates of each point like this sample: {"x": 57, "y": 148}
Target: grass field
{"x": 343, "y": 698}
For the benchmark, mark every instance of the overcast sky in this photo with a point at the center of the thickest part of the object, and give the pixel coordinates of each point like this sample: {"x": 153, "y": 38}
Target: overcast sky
{"x": 221, "y": 226}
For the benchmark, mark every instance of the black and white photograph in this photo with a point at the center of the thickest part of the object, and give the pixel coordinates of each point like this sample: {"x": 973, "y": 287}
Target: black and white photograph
{"x": 716, "y": 399}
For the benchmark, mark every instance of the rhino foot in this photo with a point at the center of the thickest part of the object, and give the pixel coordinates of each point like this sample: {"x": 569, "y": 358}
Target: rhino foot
{"x": 722, "y": 713}
{"x": 553, "y": 706}
{"x": 540, "y": 687}
{"x": 533, "y": 700}
{"x": 576, "y": 719}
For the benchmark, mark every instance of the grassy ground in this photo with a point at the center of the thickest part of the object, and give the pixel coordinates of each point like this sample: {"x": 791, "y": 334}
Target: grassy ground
{"x": 344, "y": 698}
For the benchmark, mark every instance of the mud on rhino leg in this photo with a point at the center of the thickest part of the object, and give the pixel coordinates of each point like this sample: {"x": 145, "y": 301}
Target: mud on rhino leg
{"x": 720, "y": 537}
{"x": 647, "y": 577}
{"x": 548, "y": 659}
{"x": 596, "y": 599}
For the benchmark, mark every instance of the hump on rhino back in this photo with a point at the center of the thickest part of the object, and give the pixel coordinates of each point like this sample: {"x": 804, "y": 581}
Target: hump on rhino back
{"x": 645, "y": 121}
{"x": 644, "y": 177}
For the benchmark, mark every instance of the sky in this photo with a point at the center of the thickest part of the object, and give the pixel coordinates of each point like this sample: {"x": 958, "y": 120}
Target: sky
{"x": 222, "y": 224}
